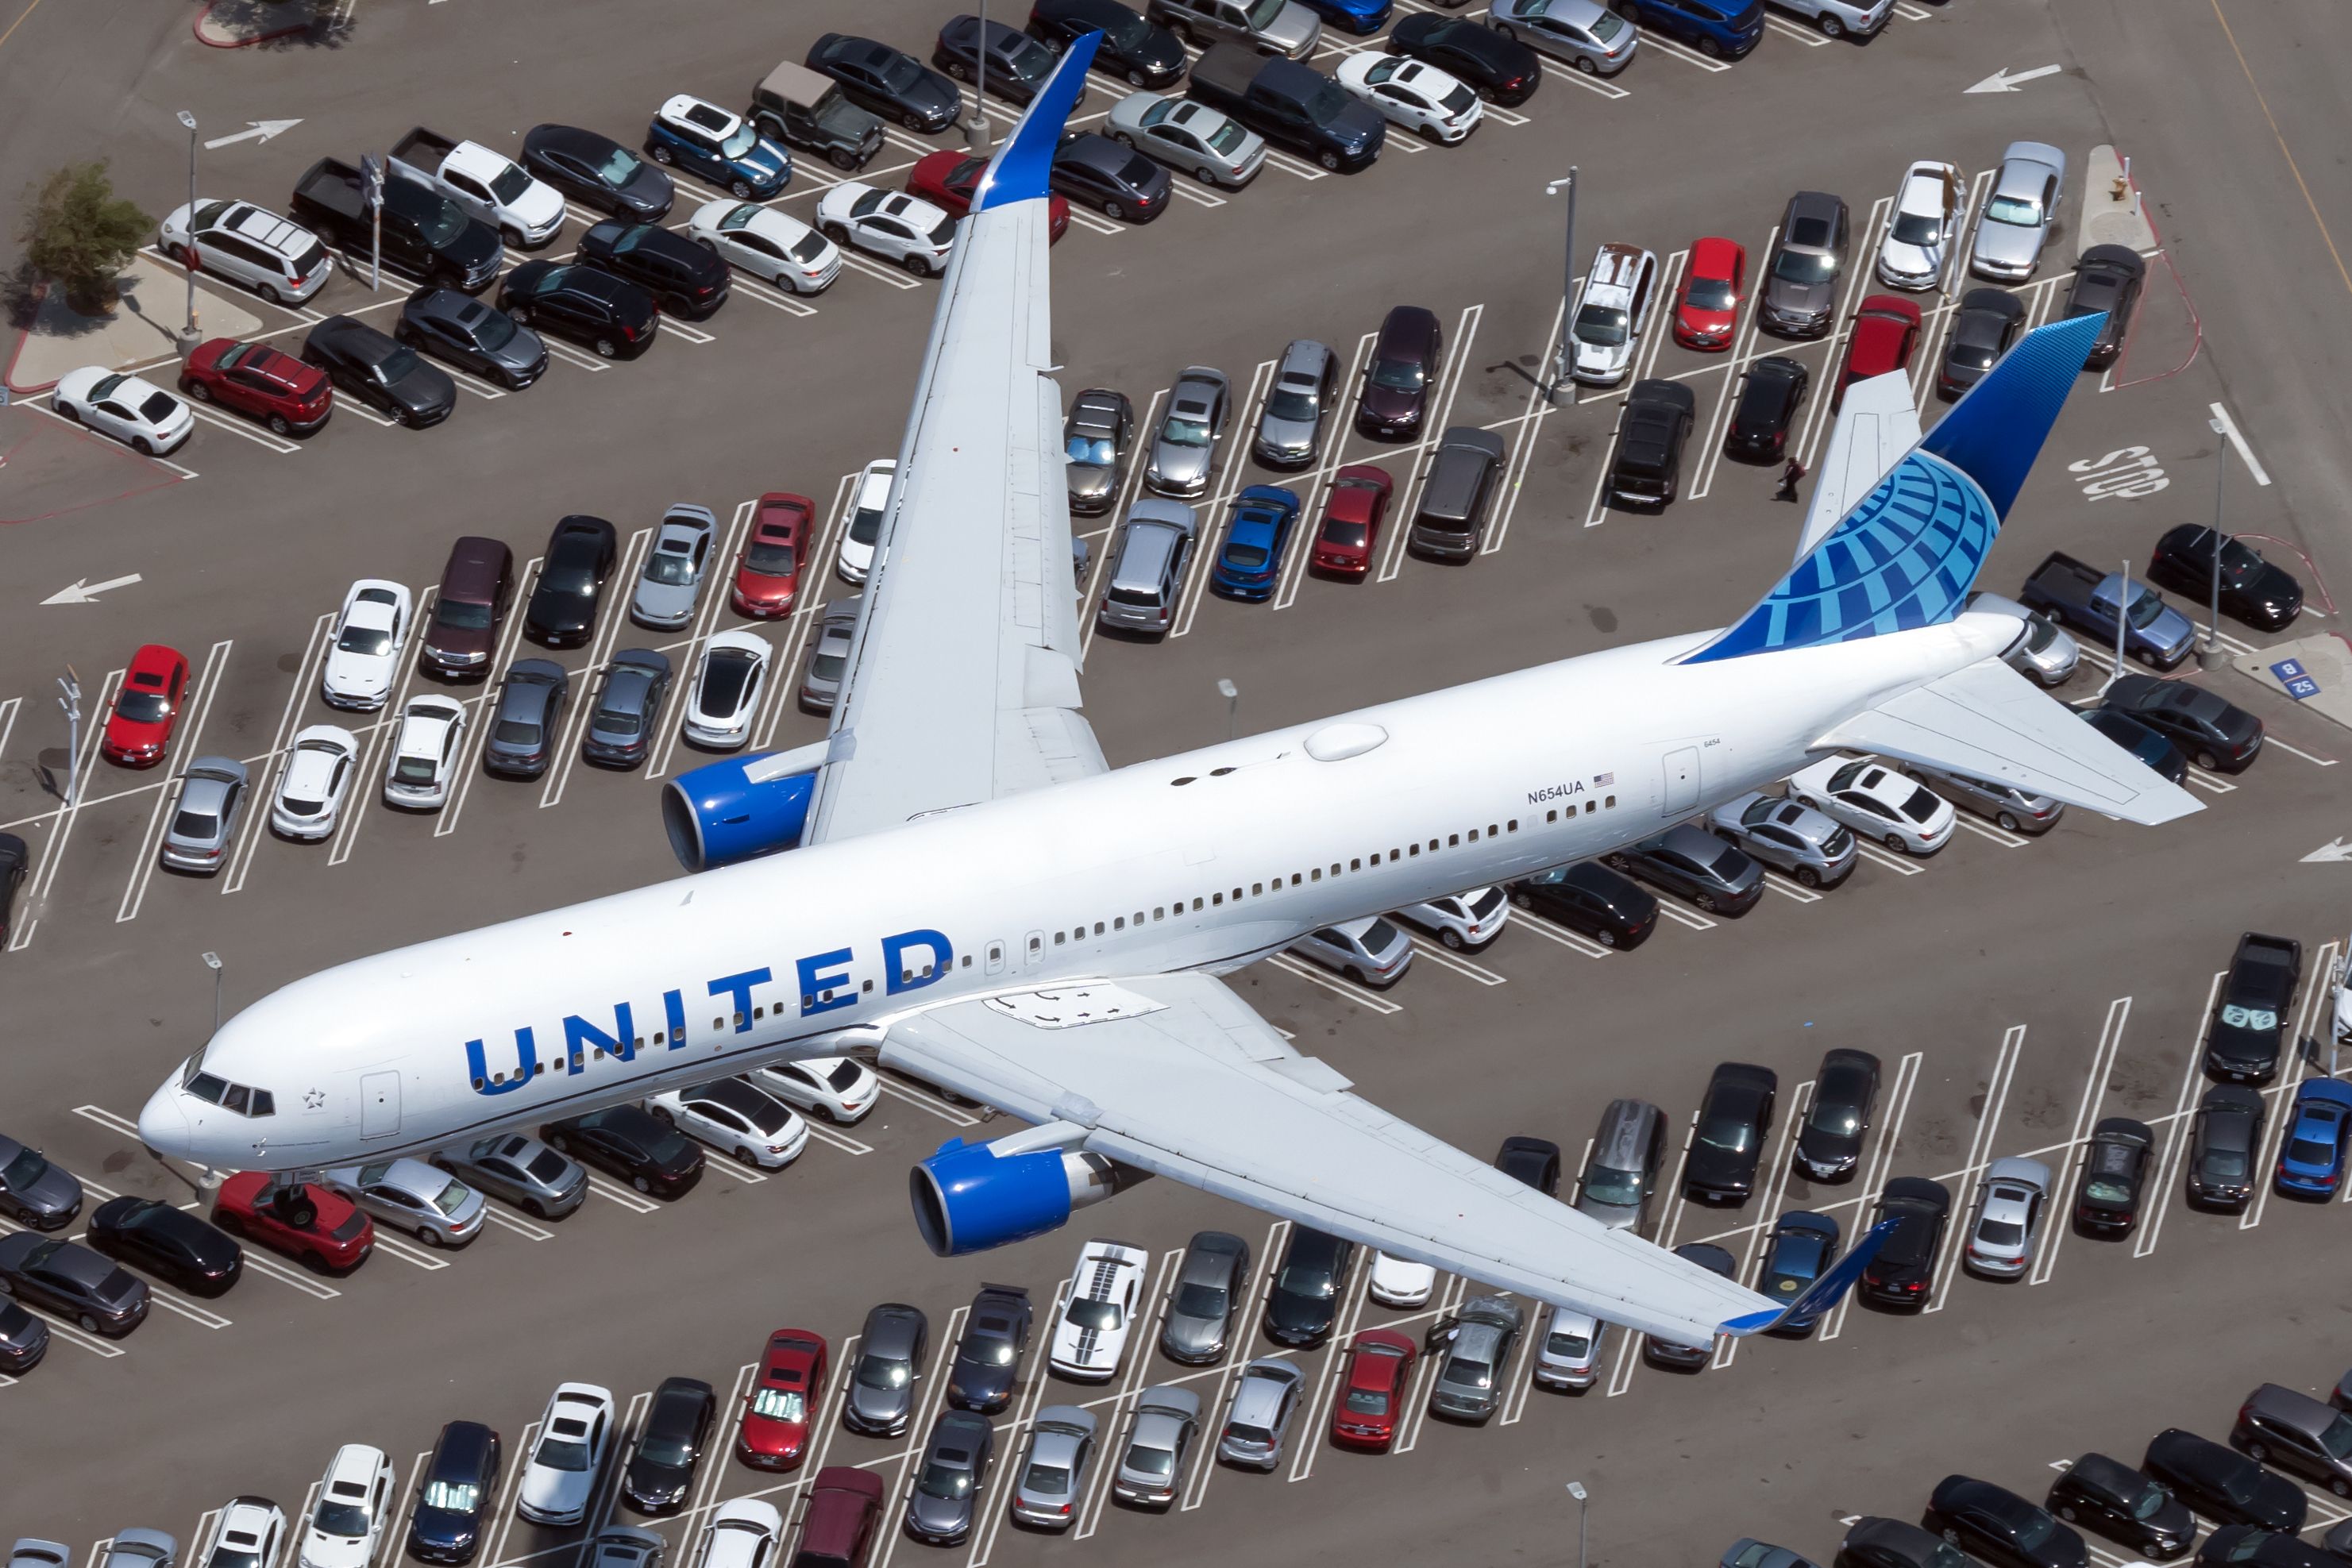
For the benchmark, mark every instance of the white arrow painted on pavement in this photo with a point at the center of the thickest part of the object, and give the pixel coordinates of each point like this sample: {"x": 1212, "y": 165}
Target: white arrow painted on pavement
{"x": 263, "y": 130}
{"x": 87, "y": 593}
{"x": 2335, "y": 850}
{"x": 2001, "y": 81}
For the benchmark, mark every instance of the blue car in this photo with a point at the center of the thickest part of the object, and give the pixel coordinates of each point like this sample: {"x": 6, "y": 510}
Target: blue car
{"x": 1352, "y": 16}
{"x": 1800, "y": 1250}
{"x": 1725, "y": 29}
{"x": 2312, "y": 1163}
{"x": 719, "y": 148}
{"x": 1252, "y": 559}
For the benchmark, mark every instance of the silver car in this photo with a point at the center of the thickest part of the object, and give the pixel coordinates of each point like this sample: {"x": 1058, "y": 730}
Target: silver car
{"x": 311, "y": 785}
{"x": 627, "y": 707}
{"x": 1477, "y": 1342}
{"x": 1369, "y": 952}
{"x": 1206, "y": 144}
{"x": 1797, "y": 839}
{"x": 671, "y": 579}
{"x": 1054, "y": 1471}
{"x": 521, "y": 1171}
{"x": 1158, "y": 1444}
{"x": 1568, "y": 1355}
{"x": 1146, "y": 568}
{"x": 411, "y": 1195}
{"x": 829, "y": 656}
{"x": 1584, "y": 33}
{"x": 528, "y": 713}
{"x": 1268, "y": 26}
{"x": 1259, "y": 1418}
{"x": 140, "y": 1548}
{"x": 211, "y": 799}
{"x": 2016, "y": 809}
{"x": 1184, "y": 448}
{"x": 2010, "y": 1202}
{"x": 1094, "y": 442}
{"x": 2046, "y": 654}
{"x": 1290, "y": 425}
{"x": 2014, "y": 224}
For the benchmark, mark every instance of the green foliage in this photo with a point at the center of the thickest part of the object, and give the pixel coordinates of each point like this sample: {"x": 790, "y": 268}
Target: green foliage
{"x": 80, "y": 234}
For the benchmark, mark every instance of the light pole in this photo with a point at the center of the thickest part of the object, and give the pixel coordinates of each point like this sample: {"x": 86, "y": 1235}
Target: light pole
{"x": 188, "y": 333}
{"x": 1576, "y": 1489}
{"x": 69, "y": 702}
{"x": 212, "y": 962}
{"x": 1567, "y": 287}
{"x": 975, "y": 135}
{"x": 2213, "y": 656}
{"x": 1232, "y": 695}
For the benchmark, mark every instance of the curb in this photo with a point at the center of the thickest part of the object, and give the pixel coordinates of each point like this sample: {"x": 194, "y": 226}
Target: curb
{"x": 206, "y": 14}
{"x": 8, "y": 376}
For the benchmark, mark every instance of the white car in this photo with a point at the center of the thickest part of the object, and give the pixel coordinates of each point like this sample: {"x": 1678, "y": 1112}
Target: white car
{"x": 1090, "y": 1336}
{"x": 425, "y": 755}
{"x": 736, "y": 1117}
{"x": 1612, "y": 310}
{"x": 1419, "y": 96}
{"x": 1463, "y": 921}
{"x": 854, "y": 561}
{"x": 743, "y": 1533}
{"x": 892, "y": 225}
{"x": 371, "y": 634}
{"x": 1878, "y": 803}
{"x": 355, "y": 1504}
{"x": 1838, "y": 18}
{"x": 1397, "y": 1283}
{"x": 767, "y": 243}
{"x": 559, "y": 1477}
{"x": 420, "y": 1199}
{"x": 311, "y": 786}
{"x": 248, "y": 1532}
{"x": 1568, "y": 1353}
{"x": 139, "y": 413}
{"x": 1203, "y": 142}
{"x": 729, "y": 681}
{"x": 840, "y": 1089}
{"x": 1920, "y": 231}
{"x": 275, "y": 258}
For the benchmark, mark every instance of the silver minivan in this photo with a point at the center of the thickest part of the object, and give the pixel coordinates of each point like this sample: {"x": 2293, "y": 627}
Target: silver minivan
{"x": 1290, "y": 426}
{"x": 1623, "y": 1168}
{"x": 2013, "y": 808}
{"x": 1147, "y": 570}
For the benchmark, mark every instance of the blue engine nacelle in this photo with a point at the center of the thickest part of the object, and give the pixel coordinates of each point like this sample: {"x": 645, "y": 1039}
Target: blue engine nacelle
{"x": 739, "y": 809}
{"x": 970, "y": 1196}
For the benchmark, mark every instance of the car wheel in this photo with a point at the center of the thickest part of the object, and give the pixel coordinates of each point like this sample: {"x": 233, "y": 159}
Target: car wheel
{"x": 278, "y": 425}
{"x": 560, "y": 1144}
{"x": 1113, "y": 210}
{"x": 1953, "y": 1536}
{"x": 1137, "y": 78}
{"x": 664, "y": 156}
{"x": 641, "y": 1184}
{"x": 2208, "y": 761}
{"x": 229, "y": 1224}
{"x": 1615, "y": 862}
{"x": 1521, "y": 901}
{"x": 1705, "y": 902}
{"x": 520, "y": 315}
{"x": 745, "y": 1156}
{"x": 912, "y": 120}
{"x": 70, "y": 412}
{"x": 663, "y": 1115}
{"x": 430, "y": 1237}
{"x": 1808, "y": 877}
{"x": 1355, "y": 974}
{"x": 837, "y": 233}
{"x": 1123, "y": 138}
{"x": 270, "y": 294}
{"x": 196, "y": 389}
{"x": 711, "y": 245}
{"x": 1710, "y": 48}
{"x": 1584, "y": 63}
{"x": 177, "y": 252}
{"x": 315, "y": 1263}
{"x": 510, "y": 239}
{"x": 1502, "y": 31}
{"x": 535, "y": 1208}
{"x": 606, "y": 349}
{"x": 8, "y": 1288}
{"x": 141, "y": 446}
{"x": 2340, "y": 1487}
{"x": 1830, "y": 27}
{"x": 1605, "y": 937}
{"x": 2007, "y": 820}
{"x": 2258, "y": 1452}
{"x": 843, "y": 159}
{"x": 2067, "y": 1513}
{"x": 740, "y": 189}
{"x": 1329, "y": 161}
{"x": 1451, "y": 937}
{"x": 1895, "y": 842}
{"x": 956, "y": 70}
{"x": 917, "y": 265}
{"x": 88, "y": 1323}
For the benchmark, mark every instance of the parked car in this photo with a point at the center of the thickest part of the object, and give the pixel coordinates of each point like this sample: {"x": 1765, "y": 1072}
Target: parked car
{"x": 566, "y": 1465}
{"x": 1922, "y": 226}
{"x": 670, "y": 580}
{"x": 2160, "y": 754}
{"x": 953, "y": 1467}
{"x": 1412, "y": 94}
{"x": 411, "y": 1195}
{"x": 1465, "y": 922}
{"x": 1371, "y": 952}
{"x": 1800, "y": 1250}
{"x": 841, "y": 1089}
{"x": 2013, "y": 224}
{"x": 1286, "y": 29}
{"x": 355, "y": 1500}
{"x": 2016, "y": 809}
{"x": 206, "y": 817}
{"x": 1089, "y": 1338}
{"x": 2225, "y": 1486}
{"x": 519, "y": 1170}
{"x": 1735, "y": 1118}
{"x": 2254, "y": 591}
{"x": 1054, "y": 1473}
{"x": 598, "y": 171}
{"x": 869, "y": 509}
{"x": 1211, "y": 1281}
{"x": 2089, "y": 600}
{"x": 2234, "y": 1543}
{"x": 248, "y": 245}
{"x": 2114, "y": 1176}
{"x": 1695, "y": 864}
{"x": 1706, "y": 303}
{"x": 584, "y": 304}
{"x": 2045, "y": 654}
{"x": 2106, "y": 283}
{"x": 768, "y": 570}
{"x": 525, "y": 722}
{"x": 1309, "y": 1283}
{"x": 1771, "y": 389}
{"x": 1587, "y": 896}
{"x": 1568, "y": 1355}
{"x": 2012, "y": 1199}
{"x": 1001, "y": 58}
{"x": 16, "y": 867}
{"x": 178, "y": 1247}
{"x": 736, "y": 1117}
{"x": 891, "y": 1350}
{"x": 245, "y": 1530}
{"x": 1116, "y": 181}
{"x": 843, "y": 1519}
{"x": 281, "y": 392}
{"x": 456, "y": 1493}
{"x": 1645, "y": 469}
{"x": 685, "y": 278}
{"x": 1152, "y": 1465}
{"x": 1500, "y": 70}
{"x": 627, "y": 1142}
{"x": 836, "y": 629}
{"x": 1808, "y": 260}
{"x": 2123, "y": 1505}
{"x": 2246, "y": 1033}
{"x": 1986, "y": 324}
{"x": 1399, "y": 1282}
{"x": 1829, "y": 1144}
{"x": 476, "y": 588}
{"x": 890, "y": 224}
{"x": 425, "y": 751}
{"x": 1476, "y": 1342}
{"x": 1903, "y": 1269}
{"x": 1718, "y": 28}
{"x": 1620, "y": 1166}
{"x": 2212, "y": 731}
{"x": 730, "y": 680}
{"x": 1257, "y": 541}
{"x": 1612, "y": 310}
{"x": 2225, "y": 1142}
{"x": 2292, "y": 1431}
{"x": 317, "y": 1228}
{"x": 1145, "y": 52}
{"x": 1584, "y": 33}
{"x": 1458, "y": 488}
{"x": 767, "y": 243}
{"x": 1877, "y": 803}
{"x": 1777, "y": 831}
{"x": 1997, "y": 1523}
{"x": 581, "y": 554}
{"x": 986, "y": 1365}
{"x": 1859, "y": 19}
{"x": 2311, "y": 1160}
{"x": 1691, "y": 1358}
{"x": 779, "y": 1411}
{"x": 1257, "y": 1419}
{"x": 659, "y": 1470}
{"x": 1885, "y": 333}
{"x": 1872, "y": 1542}
{"x": 625, "y": 712}
{"x": 456, "y": 326}
{"x": 717, "y": 146}
{"x": 146, "y": 707}
{"x": 887, "y": 81}
{"x": 381, "y": 373}
{"x": 1096, "y": 440}
{"x": 72, "y": 1281}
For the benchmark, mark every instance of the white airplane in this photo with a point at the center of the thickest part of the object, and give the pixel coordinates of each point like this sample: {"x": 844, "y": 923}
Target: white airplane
{"x": 976, "y": 899}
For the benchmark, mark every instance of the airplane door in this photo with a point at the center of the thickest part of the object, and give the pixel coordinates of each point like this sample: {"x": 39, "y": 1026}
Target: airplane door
{"x": 996, "y": 957}
{"x": 1682, "y": 781}
{"x": 379, "y": 1104}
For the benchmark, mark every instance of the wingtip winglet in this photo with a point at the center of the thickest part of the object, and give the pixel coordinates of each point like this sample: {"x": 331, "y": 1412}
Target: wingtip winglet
{"x": 1023, "y": 169}
{"x": 1825, "y": 1293}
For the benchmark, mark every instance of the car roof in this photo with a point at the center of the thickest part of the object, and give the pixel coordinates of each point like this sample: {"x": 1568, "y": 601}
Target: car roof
{"x": 2018, "y": 1168}
{"x": 2327, "y": 1091}
{"x": 1918, "y": 1189}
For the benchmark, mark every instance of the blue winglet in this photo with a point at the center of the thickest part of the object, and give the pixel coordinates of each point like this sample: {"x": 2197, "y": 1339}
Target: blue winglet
{"x": 1020, "y": 172}
{"x": 1995, "y": 432}
{"x": 1825, "y": 1293}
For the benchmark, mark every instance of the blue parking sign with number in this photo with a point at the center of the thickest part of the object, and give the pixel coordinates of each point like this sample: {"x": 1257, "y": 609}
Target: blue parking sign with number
{"x": 2295, "y": 679}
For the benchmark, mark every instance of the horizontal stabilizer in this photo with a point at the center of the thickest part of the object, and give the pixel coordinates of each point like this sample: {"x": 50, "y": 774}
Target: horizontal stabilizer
{"x": 1876, "y": 425}
{"x": 1990, "y": 722}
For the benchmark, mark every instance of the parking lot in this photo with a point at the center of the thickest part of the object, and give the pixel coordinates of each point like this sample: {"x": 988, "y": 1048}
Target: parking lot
{"x": 2018, "y": 990}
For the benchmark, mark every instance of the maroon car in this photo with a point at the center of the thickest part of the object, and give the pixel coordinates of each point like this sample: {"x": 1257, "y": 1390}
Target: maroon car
{"x": 949, "y": 180}
{"x": 1404, "y": 368}
{"x": 288, "y": 396}
{"x": 844, "y": 1518}
{"x": 476, "y": 590}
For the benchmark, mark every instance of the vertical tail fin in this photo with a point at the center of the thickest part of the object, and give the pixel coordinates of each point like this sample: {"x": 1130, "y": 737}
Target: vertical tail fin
{"x": 1995, "y": 432}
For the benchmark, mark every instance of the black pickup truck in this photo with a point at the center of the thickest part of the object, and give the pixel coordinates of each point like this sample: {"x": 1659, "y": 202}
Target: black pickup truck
{"x": 425, "y": 235}
{"x": 2243, "y": 1038}
{"x": 1289, "y": 104}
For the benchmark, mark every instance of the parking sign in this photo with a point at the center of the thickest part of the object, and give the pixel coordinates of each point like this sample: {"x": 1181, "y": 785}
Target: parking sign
{"x": 2295, "y": 679}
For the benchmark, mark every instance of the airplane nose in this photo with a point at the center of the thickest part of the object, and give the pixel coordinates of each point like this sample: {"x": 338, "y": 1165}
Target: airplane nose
{"x": 163, "y": 1123}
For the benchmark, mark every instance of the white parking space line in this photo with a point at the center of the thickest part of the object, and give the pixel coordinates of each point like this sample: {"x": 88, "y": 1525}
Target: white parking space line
{"x": 2282, "y": 1094}
{"x": 1314, "y": 495}
{"x": 692, "y": 334}
{"x": 1275, "y": 158}
{"x": 774, "y": 298}
{"x": 923, "y": 1100}
{"x": 520, "y": 1226}
{"x": 1903, "y": 865}
{"x": 1645, "y": 361}
{"x": 817, "y": 575}
{"x": 1881, "y": 1163}
{"x": 1776, "y": 1191}
{"x": 1213, "y": 1408}
{"x": 722, "y": 576}
{"x": 1673, "y": 49}
{"x": 579, "y": 358}
{"x": 1334, "y": 984}
{"x": 1530, "y": 421}
{"x": 191, "y": 747}
{"x": 2095, "y": 1091}
{"x": 1790, "y": 890}
{"x": 256, "y": 826}
{"x": 407, "y": 1251}
{"x": 1629, "y": 1343}
{"x": 728, "y": 1166}
{"x": 495, "y": 1551}
{"x": 605, "y": 1187}
{"x": 1217, "y": 499}
{"x": 2237, "y": 439}
{"x": 2211, "y": 783}
{"x": 172, "y": 1300}
{"x": 1790, "y": 30}
{"x": 1435, "y": 953}
{"x": 234, "y": 426}
{"x": 1323, "y": 1380}
{"x": 1981, "y": 1142}
{"x": 60, "y": 1329}
{"x": 582, "y": 682}
{"x": 44, "y": 876}
{"x": 1416, "y": 1415}
{"x": 839, "y": 1140}
{"x": 1419, "y": 457}
{"x": 2167, "y": 1162}
{"x": 1681, "y": 916}
{"x": 1605, "y": 87}
{"x": 1026, "y": 1405}
{"x": 1840, "y": 328}
{"x": 1992, "y": 831}
{"x": 858, "y": 262}
{"x": 1574, "y": 941}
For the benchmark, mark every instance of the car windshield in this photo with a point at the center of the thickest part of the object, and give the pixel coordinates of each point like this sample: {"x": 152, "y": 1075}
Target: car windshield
{"x": 513, "y": 732}
{"x": 726, "y": 676}
{"x": 1804, "y": 267}
{"x": 771, "y": 560}
{"x": 897, "y": 72}
{"x": 1605, "y": 1184}
{"x": 157, "y": 408}
{"x": 1464, "y": 1372}
{"x": 195, "y": 825}
{"x": 1198, "y": 1301}
{"x": 880, "y": 1372}
{"x": 1574, "y": 1347}
{"x": 1368, "y": 1401}
{"x": 1839, "y": 1118}
{"x": 780, "y": 1403}
{"x": 2001, "y": 1233}
{"x": 2305, "y": 1151}
{"x": 372, "y": 641}
{"x": 2225, "y": 1164}
{"x": 740, "y": 145}
{"x": 1799, "y": 1256}
{"x": 461, "y": 1496}
{"x": 142, "y": 707}
{"x": 665, "y": 1451}
{"x": 1226, "y": 139}
{"x": 1602, "y": 324}
{"x": 2260, "y": 1019}
{"x": 1051, "y": 1479}
{"x": 562, "y": 1453}
{"x": 1711, "y": 294}
{"x": 2106, "y": 1191}
{"x": 398, "y": 365}
{"x": 827, "y": 666}
{"x": 1146, "y": 1461}
{"x": 1262, "y": 15}
{"x": 620, "y": 167}
{"x": 2146, "y": 606}
{"x": 843, "y": 1077}
{"x": 1097, "y": 450}
{"x": 618, "y": 721}
{"x": 2035, "y": 1530}
{"x": 1725, "y": 865}
{"x": 1410, "y": 375}
{"x": 1349, "y": 534}
{"x": 2015, "y": 210}
{"x": 945, "y": 1481}
{"x": 1292, "y": 404}
{"x": 453, "y": 1197}
{"x": 1096, "y": 1314}
{"x": 347, "y": 1520}
{"x": 1979, "y": 357}
{"x": 510, "y": 185}
{"x": 674, "y": 568}
{"x": 1918, "y": 228}
{"x": 865, "y": 524}
{"x": 1920, "y": 806}
{"x": 1731, "y": 1136}
{"x": 1247, "y": 557}
{"x": 1181, "y": 432}
{"x": 2337, "y": 1438}
{"x": 1315, "y": 1282}
{"x": 413, "y": 770}
{"x": 462, "y": 615}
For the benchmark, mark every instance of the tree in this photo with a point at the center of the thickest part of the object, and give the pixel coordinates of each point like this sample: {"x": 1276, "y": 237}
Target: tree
{"x": 80, "y": 234}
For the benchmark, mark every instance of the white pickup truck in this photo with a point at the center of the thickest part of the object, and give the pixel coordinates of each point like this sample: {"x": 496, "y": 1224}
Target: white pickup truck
{"x": 491, "y": 186}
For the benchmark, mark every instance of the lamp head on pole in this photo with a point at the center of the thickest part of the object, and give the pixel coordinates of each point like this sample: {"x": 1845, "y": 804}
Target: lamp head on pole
{"x": 212, "y": 962}
{"x": 1576, "y": 1491}
{"x": 187, "y": 119}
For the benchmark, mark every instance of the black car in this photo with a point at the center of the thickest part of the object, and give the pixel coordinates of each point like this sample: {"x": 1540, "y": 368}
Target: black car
{"x": 2212, "y": 731}
{"x": 1122, "y": 182}
{"x": 1716, "y": 876}
{"x": 1147, "y": 55}
{"x": 16, "y": 864}
{"x": 1587, "y": 896}
{"x": 1900, "y": 1276}
{"x": 1986, "y": 324}
{"x": 1771, "y": 391}
{"x": 467, "y": 333}
{"x": 2253, "y": 590}
{"x": 1996, "y": 1523}
{"x": 24, "y": 1339}
{"x": 660, "y": 1469}
{"x": 456, "y": 1494}
{"x": 2222, "y": 1483}
{"x": 1402, "y": 376}
{"x": 1829, "y": 1144}
{"x": 1647, "y": 468}
{"x": 890, "y": 83}
{"x": 2140, "y": 740}
{"x": 626, "y": 1141}
{"x": 2262, "y": 1549}
{"x": 33, "y": 1191}
{"x": 1016, "y": 67}
{"x": 1874, "y": 1542}
{"x": 2120, "y": 1503}
{"x": 1734, "y": 1119}
{"x": 585, "y": 304}
{"x": 2106, "y": 278}
{"x": 1308, "y": 1288}
{"x": 684, "y": 277}
{"x": 946, "y": 1496}
{"x": 2246, "y": 1034}
{"x": 2224, "y": 1143}
{"x": 598, "y": 171}
{"x": 580, "y": 556}
{"x": 382, "y": 374}
{"x": 2115, "y": 1176}
{"x": 1499, "y": 69}
{"x": 169, "y": 1242}
{"x": 72, "y": 1281}
{"x": 988, "y": 1357}
{"x": 1534, "y": 1161}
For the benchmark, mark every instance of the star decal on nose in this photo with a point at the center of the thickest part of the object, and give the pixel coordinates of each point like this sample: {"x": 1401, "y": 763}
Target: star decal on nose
{"x": 314, "y": 1098}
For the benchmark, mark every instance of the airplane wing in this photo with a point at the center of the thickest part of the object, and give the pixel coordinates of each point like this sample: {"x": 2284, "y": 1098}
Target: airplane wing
{"x": 963, "y": 683}
{"x": 1175, "y": 1075}
{"x": 1876, "y": 425}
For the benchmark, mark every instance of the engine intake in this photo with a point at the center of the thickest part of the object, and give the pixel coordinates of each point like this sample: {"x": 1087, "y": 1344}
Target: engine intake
{"x": 969, "y": 1197}
{"x": 739, "y": 809}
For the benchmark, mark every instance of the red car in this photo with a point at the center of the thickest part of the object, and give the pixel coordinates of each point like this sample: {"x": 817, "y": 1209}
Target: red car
{"x": 1707, "y": 307}
{"x": 948, "y": 180}
{"x": 333, "y": 1237}
{"x": 140, "y": 725}
{"x": 1351, "y": 530}
{"x": 288, "y": 396}
{"x": 1885, "y": 331}
{"x": 767, "y": 572}
{"x": 780, "y": 1409}
{"x": 1371, "y": 1396}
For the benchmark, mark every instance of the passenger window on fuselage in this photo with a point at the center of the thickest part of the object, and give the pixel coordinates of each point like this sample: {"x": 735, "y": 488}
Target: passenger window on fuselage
{"x": 1452, "y": 840}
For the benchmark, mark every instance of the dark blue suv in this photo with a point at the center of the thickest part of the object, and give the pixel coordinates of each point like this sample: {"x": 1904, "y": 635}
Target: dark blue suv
{"x": 1251, "y": 562}
{"x": 1726, "y": 30}
{"x": 718, "y": 147}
